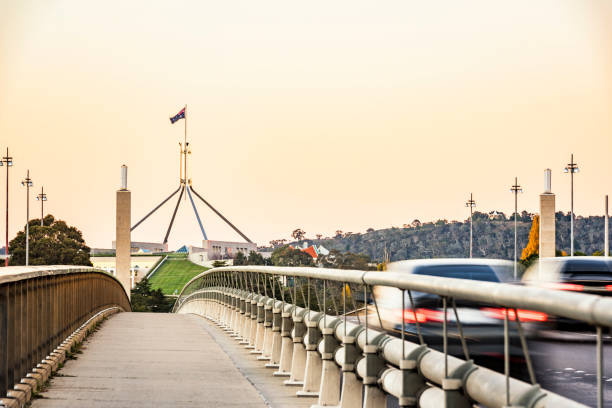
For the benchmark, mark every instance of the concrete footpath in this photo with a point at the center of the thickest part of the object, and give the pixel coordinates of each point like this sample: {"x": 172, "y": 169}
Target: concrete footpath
{"x": 151, "y": 360}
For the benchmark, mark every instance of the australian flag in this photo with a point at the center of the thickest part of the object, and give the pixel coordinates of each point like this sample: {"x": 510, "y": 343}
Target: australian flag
{"x": 180, "y": 115}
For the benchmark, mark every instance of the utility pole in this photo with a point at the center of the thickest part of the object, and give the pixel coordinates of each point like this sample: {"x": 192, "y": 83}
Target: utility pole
{"x": 516, "y": 189}
{"x": 8, "y": 160}
{"x": 27, "y": 182}
{"x": 606, "y": 239}
{"x": 471, "y": 203}
{"x": 572, "y": 168}
{"x": 42, "y": 197}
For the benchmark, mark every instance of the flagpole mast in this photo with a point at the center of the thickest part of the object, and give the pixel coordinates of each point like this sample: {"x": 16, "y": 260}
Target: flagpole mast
{"x": 185, "y": 149}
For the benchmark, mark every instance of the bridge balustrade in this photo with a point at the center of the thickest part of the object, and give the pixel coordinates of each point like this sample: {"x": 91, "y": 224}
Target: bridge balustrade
{"x": 315, "y": 326}
{"x": 41, "y": 306}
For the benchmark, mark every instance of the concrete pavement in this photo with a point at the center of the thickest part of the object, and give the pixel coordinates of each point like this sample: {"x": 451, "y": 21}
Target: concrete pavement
{"x": 151, "y": 359}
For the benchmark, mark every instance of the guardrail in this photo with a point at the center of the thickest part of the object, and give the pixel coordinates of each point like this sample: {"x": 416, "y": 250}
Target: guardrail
{"x": 40, "y": 307}
{"x": 346, "y": 363}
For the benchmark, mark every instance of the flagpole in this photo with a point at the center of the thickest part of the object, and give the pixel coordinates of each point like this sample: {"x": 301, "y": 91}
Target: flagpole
{"x": 185, "y": 150}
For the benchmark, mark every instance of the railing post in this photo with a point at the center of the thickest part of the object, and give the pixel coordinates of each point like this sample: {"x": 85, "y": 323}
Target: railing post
{"x": 259, "y": 334}
{"x": 276, "y": 338}
{"x": 312, "y": 375}
{"x": 253, "y": 325}
{"x": 329, "y": 392}
{"x": 374, "y": 397}
{"x": 287, "y": 344}
{"x": 351, "y": 394}
{"x": 246, "y": 318}
{"x": 266, "y": 351}
{"x": 298, "y": 360}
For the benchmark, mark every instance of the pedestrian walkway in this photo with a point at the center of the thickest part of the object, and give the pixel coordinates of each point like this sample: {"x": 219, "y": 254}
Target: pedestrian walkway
{"x": 152, "y": 360}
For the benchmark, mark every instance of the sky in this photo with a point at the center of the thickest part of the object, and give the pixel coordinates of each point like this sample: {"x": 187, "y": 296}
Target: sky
{"x": 321, "y": 115}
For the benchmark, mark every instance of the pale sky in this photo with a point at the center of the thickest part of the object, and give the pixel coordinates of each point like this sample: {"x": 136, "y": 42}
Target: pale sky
{"x": 322, "y": 115}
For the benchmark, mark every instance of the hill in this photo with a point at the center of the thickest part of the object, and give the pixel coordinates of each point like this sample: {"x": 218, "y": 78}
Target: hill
{"x": 174, "y": 274}
{"x": 493, "y": 238}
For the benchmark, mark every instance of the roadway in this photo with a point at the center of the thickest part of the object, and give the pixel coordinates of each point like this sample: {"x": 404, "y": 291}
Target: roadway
{"x": 569, "y": 368}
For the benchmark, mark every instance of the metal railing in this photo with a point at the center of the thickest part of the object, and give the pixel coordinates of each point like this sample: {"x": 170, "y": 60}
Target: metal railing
{"x": 315, "y": 326}
{"x": 40, "y": 306}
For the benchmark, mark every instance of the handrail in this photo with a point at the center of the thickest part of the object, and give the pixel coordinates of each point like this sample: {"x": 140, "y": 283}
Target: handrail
{"x": 591, "y": 309}
{"x": 239, "y": 303}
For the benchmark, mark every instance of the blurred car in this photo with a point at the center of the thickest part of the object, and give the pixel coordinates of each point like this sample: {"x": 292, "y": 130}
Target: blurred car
{"x": 585, "y": 274}
{"x": 483, "y": 324}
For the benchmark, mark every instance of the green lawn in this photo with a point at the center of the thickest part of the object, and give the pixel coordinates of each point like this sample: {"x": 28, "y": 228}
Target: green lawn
{"x": 174, "y": 274}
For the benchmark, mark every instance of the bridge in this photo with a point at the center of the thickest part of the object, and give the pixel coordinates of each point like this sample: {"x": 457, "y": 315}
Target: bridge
{"x": 264, "y": 336}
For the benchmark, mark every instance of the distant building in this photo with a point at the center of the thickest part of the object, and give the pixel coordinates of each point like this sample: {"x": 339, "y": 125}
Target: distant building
{"x": 313, "y": 250}
{"x": 3, "y": 253}
{"x": 219, "y": 250}
{"x": 226, "y": 249}
{"x": 145, "y": 247}
{"x": 140, "y": 266}
{"x": 182, "y": 250}
{"x": 102, "y": 251}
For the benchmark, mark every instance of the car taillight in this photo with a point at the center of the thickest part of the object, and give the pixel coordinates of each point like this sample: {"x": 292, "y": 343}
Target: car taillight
{"x": 524, "y": 315}
{"x": 608, "y": 287}
{"x": 423, "y": 315}
{"x": 564, "y": 286}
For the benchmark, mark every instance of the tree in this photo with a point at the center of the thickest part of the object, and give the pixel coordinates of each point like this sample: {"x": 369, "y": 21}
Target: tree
{"x": 345, "y": 260}
{"x": 319, "y": 236}
{"x": 240, "y": 259}
{"x": 370, "y": 230}
{"x": 218, "y": 264}
{"x": 146, "y": 300}
{"x": 338, "y": 234}
{"x": 416, "y": 224}
{"x": 255, "y": 258}
{"x": 532, "y": 249}
{"x": 298, "y": 234}
{"x": 287, "y": 256}
{"x": 53, "y": 243}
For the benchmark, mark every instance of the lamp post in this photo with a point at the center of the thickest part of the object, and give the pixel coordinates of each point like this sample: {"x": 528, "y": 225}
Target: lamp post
{"x": 516, "y": 189}
{"x": 42, "y": 197}
{"x": 27, "y": 182}
{"x": 471, "y": 203}
{"x": 572, "y": 168}
{"x": 8, "y": 160}
{"x": 606, "y": 233}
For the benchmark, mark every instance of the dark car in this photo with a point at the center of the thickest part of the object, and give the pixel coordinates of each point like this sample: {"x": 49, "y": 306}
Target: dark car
{"x": 585, "y": 274}
{"x": 483, "y": 324}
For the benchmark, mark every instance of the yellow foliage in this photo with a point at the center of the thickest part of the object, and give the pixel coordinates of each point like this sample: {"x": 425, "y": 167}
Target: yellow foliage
{"x": 533, "y": 246}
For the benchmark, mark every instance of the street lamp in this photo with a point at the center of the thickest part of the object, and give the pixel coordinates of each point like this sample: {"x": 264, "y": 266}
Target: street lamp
{"x": 42, "y": 197}
{"x": 471, "y": 203}
{"x": 515, "y": 189}
{"x": 572, "y": 168}
{"x": 8, "y": 160}
{"x": 27, "y": 183}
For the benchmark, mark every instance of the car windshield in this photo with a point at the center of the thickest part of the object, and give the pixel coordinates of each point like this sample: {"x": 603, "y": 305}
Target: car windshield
{"x": 587, "y": 270}
{"x": 471, "y": 272}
